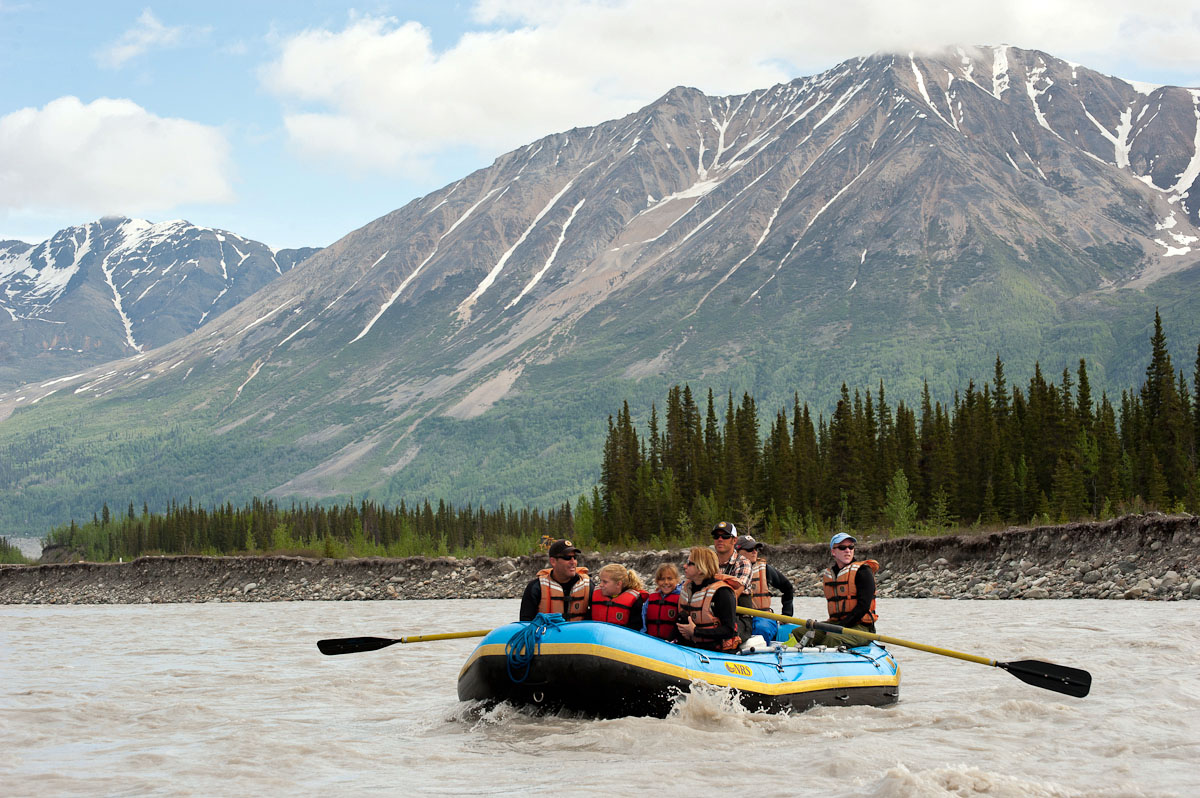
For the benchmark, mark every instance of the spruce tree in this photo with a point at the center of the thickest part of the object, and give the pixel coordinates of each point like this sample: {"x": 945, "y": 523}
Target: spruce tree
{"x": 899, "y": 509}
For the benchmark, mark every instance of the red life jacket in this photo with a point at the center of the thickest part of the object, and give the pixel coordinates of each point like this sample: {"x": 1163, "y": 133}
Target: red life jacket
{"x": 572, "y": 608}
{"x": 841, "y": 592}
{"x": 699, "y": 606}
{"x": 618, "y": 609}
{"x": 760, "y": 594}
{"x": 662, "y": 613}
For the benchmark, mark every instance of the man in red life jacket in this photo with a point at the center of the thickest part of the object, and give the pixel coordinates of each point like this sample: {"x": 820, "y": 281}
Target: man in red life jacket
{"x": 849, "y": 587}
{"x": 564, "y": 587}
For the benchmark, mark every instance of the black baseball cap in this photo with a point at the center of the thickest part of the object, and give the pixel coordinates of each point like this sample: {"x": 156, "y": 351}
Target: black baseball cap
{"x": 560, "y": 547}
{"x": 747, "y": 543}
{"x": 724, "y": 528}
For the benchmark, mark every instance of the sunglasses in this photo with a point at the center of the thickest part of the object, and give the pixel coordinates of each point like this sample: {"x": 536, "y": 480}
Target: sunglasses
{"x": 722, "y": 536}
{"x": 568, "y": 557}
{"x": 845, "y": 548}
{"x": 689, "y": 562}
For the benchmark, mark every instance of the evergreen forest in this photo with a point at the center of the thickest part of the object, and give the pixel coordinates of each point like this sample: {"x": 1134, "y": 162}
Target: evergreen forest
{"x": 995, "y": 455}
{"x": 362, "y": 529}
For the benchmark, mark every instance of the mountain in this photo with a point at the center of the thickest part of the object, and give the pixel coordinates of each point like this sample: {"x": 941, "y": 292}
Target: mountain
{"x": 119, "y": 287}
{"x": 899, "y": 218}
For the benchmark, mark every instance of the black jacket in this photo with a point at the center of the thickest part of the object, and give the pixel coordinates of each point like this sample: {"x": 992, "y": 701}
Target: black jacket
{"x": 780, "y": 582}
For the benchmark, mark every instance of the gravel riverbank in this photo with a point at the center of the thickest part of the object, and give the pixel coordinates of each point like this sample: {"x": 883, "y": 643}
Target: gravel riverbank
{"x": 1148, "y": 557}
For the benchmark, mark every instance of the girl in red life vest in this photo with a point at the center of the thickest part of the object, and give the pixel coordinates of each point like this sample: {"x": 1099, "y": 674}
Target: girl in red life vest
{"x": 660, "y": 613}
{"x": 619, "y": 598}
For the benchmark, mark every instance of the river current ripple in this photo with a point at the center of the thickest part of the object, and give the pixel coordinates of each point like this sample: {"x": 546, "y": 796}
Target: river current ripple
{"x": 235, "y": 699}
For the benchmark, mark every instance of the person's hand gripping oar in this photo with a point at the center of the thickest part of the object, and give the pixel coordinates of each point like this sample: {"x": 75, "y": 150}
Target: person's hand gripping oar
{"x": 1047, "y": 675}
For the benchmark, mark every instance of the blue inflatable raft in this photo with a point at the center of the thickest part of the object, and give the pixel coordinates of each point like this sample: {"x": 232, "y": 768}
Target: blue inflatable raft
{"x": 608, "y": 671}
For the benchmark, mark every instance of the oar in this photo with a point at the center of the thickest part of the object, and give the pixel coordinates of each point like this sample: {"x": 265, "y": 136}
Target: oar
{"x": 353, "y": 645}
{"x": 1047, "y": 675}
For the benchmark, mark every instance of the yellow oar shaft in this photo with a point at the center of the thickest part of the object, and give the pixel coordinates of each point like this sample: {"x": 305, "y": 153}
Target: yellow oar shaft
{"x": 809, "y": 624}
{"x": 443, "y": 636}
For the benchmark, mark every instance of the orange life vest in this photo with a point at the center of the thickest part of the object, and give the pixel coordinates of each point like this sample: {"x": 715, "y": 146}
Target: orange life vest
{"x": 841, "y": 592}
{"x": 760, "y": 594}
{"x": 699, "y": 606}
{"x": 662, "y": 613}
{"x": 573, "y": 607}
{"x": 618, "y": 609}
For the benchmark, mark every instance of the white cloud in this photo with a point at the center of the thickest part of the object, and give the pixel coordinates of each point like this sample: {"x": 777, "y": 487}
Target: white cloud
{"x": 109, "y": 156}
{"x": 146, "y": 34}
{"x": 376, "y": 94}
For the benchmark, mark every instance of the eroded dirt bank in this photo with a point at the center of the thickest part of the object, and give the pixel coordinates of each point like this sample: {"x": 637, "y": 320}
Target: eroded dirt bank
{"x": 1150, "y": 557}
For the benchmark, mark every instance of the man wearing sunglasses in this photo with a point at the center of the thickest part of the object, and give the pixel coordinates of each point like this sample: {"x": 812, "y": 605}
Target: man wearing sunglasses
{"x": 564, "y": 587}
{"x": 732, "y": 563}
{"x": 763, "y": 577}
{"x": 849, "y": 587}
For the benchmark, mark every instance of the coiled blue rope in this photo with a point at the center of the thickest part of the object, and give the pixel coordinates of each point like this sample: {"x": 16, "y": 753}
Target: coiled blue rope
{"x": 525, "y": 645}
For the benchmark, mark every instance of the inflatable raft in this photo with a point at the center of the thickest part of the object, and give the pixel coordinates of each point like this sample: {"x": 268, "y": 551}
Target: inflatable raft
{"x": 608, "y": 671}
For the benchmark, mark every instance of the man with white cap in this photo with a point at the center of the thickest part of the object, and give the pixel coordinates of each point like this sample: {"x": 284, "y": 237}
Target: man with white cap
{"x": 732, "y": 563}
{"x": 849, "y": 587}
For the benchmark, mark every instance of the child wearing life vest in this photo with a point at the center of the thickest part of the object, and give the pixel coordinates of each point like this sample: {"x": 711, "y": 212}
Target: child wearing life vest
{"x": 619, "y": 597}
{"x": 660, "y": 612}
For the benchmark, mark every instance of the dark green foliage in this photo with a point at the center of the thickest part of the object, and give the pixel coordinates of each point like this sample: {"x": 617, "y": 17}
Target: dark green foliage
{"x": 361, "y": 530}
{"x": 992, "y": 455}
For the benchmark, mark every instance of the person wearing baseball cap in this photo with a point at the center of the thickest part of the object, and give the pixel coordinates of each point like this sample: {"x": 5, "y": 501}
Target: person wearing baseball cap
{"x": 732, "y": 563}
{"x": 763, "y": 577}
{"x": 564, "y": 587}
{"x": 849, "y": 587}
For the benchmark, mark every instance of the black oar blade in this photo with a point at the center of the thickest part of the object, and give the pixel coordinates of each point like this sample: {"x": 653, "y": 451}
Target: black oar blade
{"x": 353, "y": 645}
{"x": 1047, "y": 675}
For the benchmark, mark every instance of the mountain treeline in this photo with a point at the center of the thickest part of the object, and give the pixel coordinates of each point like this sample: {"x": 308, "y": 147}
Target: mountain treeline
{"x": 364, "y": 529}
{"x": 996, "y": 454}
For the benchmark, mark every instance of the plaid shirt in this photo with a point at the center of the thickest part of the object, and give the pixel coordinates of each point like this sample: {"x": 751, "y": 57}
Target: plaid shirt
{"x": 738, "y": 566}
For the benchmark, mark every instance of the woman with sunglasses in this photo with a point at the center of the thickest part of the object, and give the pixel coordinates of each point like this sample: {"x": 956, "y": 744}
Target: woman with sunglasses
{"x": 707, "y": 603}
{"x": 849, "y": 587}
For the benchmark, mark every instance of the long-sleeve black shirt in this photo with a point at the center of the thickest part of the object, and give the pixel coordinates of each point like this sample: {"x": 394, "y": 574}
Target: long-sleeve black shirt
{"x": 781, "y": 583}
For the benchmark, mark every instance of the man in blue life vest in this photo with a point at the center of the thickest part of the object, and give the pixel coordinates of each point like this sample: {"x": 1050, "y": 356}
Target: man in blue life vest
{"x": 849, "y": 587}
{"x": 564, "y": 587}
{"x": 763, "y": 577}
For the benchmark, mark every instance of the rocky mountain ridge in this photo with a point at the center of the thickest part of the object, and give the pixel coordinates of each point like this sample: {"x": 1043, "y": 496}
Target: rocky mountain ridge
{"x": 899, "y": 218}
{"x": 118, "y": 287}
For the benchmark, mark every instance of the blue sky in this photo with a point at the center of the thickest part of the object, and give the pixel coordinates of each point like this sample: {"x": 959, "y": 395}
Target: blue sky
{"x": 296, "y": 123}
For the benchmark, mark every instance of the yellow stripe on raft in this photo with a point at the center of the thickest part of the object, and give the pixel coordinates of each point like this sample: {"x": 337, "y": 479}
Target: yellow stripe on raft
{"x": 720, "y": 679}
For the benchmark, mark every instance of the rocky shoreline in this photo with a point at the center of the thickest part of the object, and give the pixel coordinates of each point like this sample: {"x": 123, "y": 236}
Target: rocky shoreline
{"x": 1148, "y": 557}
